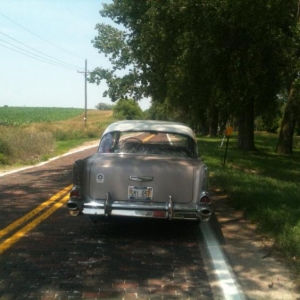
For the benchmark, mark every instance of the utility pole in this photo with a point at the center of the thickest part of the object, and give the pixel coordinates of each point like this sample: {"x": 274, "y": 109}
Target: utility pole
{"x": 85, "y": 92}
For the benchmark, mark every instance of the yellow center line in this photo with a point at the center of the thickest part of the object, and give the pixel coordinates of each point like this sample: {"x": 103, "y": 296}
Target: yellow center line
{"x": 32, "y": 213}
{"x": 148, "y": 138}
{"x": 19, "y": 234}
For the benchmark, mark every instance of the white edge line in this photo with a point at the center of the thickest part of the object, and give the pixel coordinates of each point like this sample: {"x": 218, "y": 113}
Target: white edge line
{"x": 45, "y": 162}
{"x": 227, "y": 282}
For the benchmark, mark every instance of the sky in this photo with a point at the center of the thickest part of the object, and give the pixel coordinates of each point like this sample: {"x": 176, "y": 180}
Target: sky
{"x": 43, "y": 48}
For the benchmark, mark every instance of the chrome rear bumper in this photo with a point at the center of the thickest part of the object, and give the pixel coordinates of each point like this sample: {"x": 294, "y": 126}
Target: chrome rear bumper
{"x": 167, "y": 210}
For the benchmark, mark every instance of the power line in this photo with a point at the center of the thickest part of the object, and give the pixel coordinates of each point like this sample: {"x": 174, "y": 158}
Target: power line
{"x": 60, "y": 48}
{"x": 44, "y": 56}
{"x": 40, "y": 36}
{"x": 34, "y": 57}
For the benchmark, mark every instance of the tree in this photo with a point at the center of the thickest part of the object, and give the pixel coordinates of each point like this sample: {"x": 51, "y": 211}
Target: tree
{"x": 258, "y": 33}
{"x": 115, "y": 44}
{"x": 292, "y": 80}
{"x": 289, "y": 120}
{"x": 159, "y": 50}
{"x": 210, "y": 58}
{"x": 127, "y": 109}
{"x": 104, "y": 106}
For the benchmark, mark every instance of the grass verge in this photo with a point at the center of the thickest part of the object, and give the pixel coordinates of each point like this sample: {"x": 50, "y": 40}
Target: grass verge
{"x": 31, "y": 143}
{"x": 262, "y": 184}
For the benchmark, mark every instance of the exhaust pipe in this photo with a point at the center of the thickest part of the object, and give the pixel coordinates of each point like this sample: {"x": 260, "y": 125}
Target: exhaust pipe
{"x": 74, "y": 210}
{"x": 72, "y": 205}
{"x": 205, "y": 214}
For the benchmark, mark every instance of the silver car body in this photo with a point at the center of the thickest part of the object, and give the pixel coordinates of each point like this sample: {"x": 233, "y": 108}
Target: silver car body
{"x": 143, "y": 169}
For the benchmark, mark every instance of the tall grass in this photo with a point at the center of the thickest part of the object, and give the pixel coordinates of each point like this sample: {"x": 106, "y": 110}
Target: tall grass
{"x": 262, "y": 184}
{"x": 34, "y": 142}
{"x": 24, "y": 145}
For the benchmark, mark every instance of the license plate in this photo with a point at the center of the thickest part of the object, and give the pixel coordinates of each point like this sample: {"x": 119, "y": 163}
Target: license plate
{"x": 140, "y": 192}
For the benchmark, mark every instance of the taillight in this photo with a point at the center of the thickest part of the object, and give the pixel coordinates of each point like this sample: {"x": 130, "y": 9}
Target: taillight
{"x": 75, "y": 194}
{"x": 205, "y": 199}
{"x": 159, "y": 214}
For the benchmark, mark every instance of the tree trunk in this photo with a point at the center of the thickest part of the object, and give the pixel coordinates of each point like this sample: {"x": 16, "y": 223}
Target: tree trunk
{"x": 204, "y": 127}
{"x": 285, "y": 139}
{"x": 246, "y": 128}
{"x": 213, "y": 121}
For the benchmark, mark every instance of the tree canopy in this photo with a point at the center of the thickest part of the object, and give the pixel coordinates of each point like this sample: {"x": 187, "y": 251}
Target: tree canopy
{"x": 209, "y": 60}
{"x": 127, "y": 109}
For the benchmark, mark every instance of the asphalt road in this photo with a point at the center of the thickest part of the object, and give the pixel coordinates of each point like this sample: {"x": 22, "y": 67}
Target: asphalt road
{"x": 47, "y": 254}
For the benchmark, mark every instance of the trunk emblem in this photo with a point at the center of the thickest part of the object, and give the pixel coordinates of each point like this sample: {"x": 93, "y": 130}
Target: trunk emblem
{"x": 100, "y": 178}
{"x": 141, "y": 178}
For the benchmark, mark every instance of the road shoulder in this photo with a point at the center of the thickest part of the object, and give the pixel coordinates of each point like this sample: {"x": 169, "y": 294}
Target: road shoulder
{"x": 260, "y": 273}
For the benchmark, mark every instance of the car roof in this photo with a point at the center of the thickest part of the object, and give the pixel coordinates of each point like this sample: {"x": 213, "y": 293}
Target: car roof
{"x": 151, "y": 125}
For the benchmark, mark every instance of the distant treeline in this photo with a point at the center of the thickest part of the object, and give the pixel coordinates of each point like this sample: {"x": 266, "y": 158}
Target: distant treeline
{"x": 104, "y": 106}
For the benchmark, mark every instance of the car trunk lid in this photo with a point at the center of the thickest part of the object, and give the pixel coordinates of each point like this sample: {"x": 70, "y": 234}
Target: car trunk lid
{"x": 126, "y": 176}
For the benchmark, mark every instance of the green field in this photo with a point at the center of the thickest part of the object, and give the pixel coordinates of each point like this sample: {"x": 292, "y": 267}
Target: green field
{"x": 14, "y": 116}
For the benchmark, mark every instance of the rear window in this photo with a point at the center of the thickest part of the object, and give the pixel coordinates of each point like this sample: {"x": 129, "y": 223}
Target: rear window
{"x": 148, "y": 143}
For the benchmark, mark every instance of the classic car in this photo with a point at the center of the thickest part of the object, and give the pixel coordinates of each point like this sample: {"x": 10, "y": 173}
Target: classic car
{"x": 142, "y": 169}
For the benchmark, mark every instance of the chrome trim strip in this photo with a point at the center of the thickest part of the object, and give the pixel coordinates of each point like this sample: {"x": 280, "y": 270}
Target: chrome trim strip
{"x": 141, "y": 178}
{"x": 93, "y": 211}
